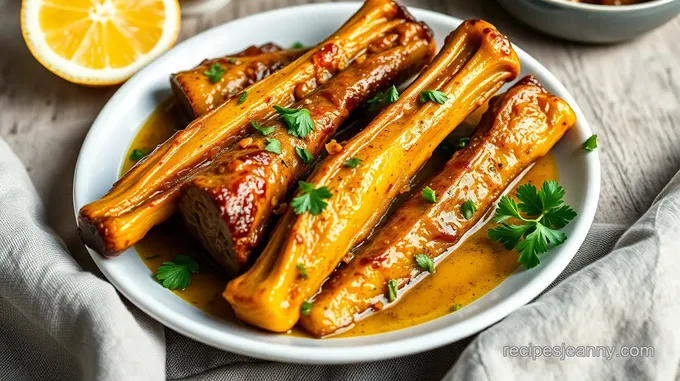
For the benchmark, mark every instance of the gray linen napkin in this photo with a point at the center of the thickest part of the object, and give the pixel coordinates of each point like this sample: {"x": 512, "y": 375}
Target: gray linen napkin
{"x": 58, "y": 322}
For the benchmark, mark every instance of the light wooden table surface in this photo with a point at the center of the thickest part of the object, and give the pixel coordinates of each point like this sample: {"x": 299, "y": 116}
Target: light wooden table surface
{"x": 630, "y": 94}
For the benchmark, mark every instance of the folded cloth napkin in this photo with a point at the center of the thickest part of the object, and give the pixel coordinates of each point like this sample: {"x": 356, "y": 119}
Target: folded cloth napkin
{"x": 59, "y": 322}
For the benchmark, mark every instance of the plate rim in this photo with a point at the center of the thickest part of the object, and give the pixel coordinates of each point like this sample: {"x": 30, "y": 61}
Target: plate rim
{"x": 366, "y": 352}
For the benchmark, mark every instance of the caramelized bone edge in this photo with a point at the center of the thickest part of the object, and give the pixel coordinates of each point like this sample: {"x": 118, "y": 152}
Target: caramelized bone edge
{"x": 521, "y": 126}
{"x": 474, "y": 63}
{"x": 228, "y": 205}
{"x": 149, "y": 192}
{"x": 197, "y": 94}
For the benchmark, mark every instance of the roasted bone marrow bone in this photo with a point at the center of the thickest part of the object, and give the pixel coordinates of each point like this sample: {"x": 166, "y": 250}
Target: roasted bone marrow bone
{"x": 474, "y": 63}
{"x": 149, "y": 192}
{"x": 520, "y": 126}
{"x": 197, "y": 93}
{"x": 227, "y": 205}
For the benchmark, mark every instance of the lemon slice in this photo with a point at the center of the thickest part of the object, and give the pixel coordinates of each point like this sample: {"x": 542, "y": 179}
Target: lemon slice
{"x": 98, "y": 42}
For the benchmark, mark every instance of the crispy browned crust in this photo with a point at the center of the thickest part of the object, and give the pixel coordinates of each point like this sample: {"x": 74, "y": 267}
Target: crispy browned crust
{"x": 197, "y": 95}
{"x": 230, "y": 203}
{"x": 520, "y": 126}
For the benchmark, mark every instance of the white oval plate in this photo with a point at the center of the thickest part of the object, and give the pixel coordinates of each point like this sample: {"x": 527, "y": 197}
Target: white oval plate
{"x": 114, "y": 129}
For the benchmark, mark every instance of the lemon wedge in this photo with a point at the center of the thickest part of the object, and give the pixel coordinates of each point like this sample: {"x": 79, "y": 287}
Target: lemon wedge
{"x": 98, "y": 42}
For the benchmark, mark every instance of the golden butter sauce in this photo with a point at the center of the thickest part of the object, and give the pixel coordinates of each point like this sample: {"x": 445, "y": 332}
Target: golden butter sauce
{"x": 473, "y": 269}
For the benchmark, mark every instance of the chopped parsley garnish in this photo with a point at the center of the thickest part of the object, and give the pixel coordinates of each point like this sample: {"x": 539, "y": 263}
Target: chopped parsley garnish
{"x": 468, "y": 209}
{"x": 306, "y": 308}
{"x": 299, "y": 121}
{"x": 302, "y": 270}
{"x": 424, "y": 262}
{"x": 263, "y": 130}
{"x": 428, "y": 194}
{"x": 243, "y": 97}
{"x": 215, "y": 73}
{"x": 138, "y": 154}
{"x": 352, "y": 163}
{"x": 297, "y": 45}
{"x": 305, "y": 155}
{"x": 176, "y": 275}
{"x": 463, "y": 142}
{"x": 540, "y": 213}
{"x": 456, "y": 307}
{"x": 590, "y": 144}
{"x": 392, "y": 289}
{"x": 273, "y": 146}
{"x": 434, "y": 96}
{"x": 389, "y": 96}
{"x": 311, "y": 200}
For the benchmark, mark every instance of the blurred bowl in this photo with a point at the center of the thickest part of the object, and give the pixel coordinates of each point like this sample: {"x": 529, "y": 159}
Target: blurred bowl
{"x": 592, "y": 23}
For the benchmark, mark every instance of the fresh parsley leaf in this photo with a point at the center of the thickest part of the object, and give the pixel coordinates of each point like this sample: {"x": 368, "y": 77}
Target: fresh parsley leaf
{"x": 311, "y": 200}
{"x": 299, "y": 121}
{"x": 273, "y": 146}
{"x": 551, "y": 194}
{"x": 215, "y": 73}
{"x": 507, "y": 208}
{"x": 559, "y": 217}
{"x": 302, "y": 270}
{"x": 590, "y": 144}
{"x": 530, "y": 203}
{"x": 375, "y": 101}
{"x": 305, "y": 155}
{"x": 297, "y": 45}
{"x": 456, "y": 307}
{"x": 242, "y": 98}
{"x": 468, "y": 209}
{"x": 537, "y": 230}
{"x": 138, "y": 154}
{"x": 508, "y": 235}
{"x": 392, "y": 289}
{"x": 306, "y": 308}
{"x": 263, "y": 130}
{"x": 177, "y": 274}
{"x": 463, "y": 142}
{"x": 352, "y": 163}
{"x": 389, "y": 96}
{"x": 428, "y": 194}
{"x": 435, "y": 96}
{"x": 424, "y": 262}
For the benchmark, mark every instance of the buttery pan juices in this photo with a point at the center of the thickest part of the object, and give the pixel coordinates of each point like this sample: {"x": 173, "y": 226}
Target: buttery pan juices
{"x": 307, "y": 195}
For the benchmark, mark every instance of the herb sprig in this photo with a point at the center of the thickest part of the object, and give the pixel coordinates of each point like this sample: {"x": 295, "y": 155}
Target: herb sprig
{"x": 176, "y": 275}
{"x": 299, "y": 121}
{"x": 352, "y": 163}
{"x": 263, "y": 130}
{"x": 305, "y": 155}
{"x": 590, "y": 144}
{"x": 424, "y": 262}
{"x": 540, "y": 214}
{"x": 311, "y": 200}
{"x": 139, "y": 154}
{"x": 215, "y": 73}
{"x": 435, "y": 96}
{"x": 389, "y": 96}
